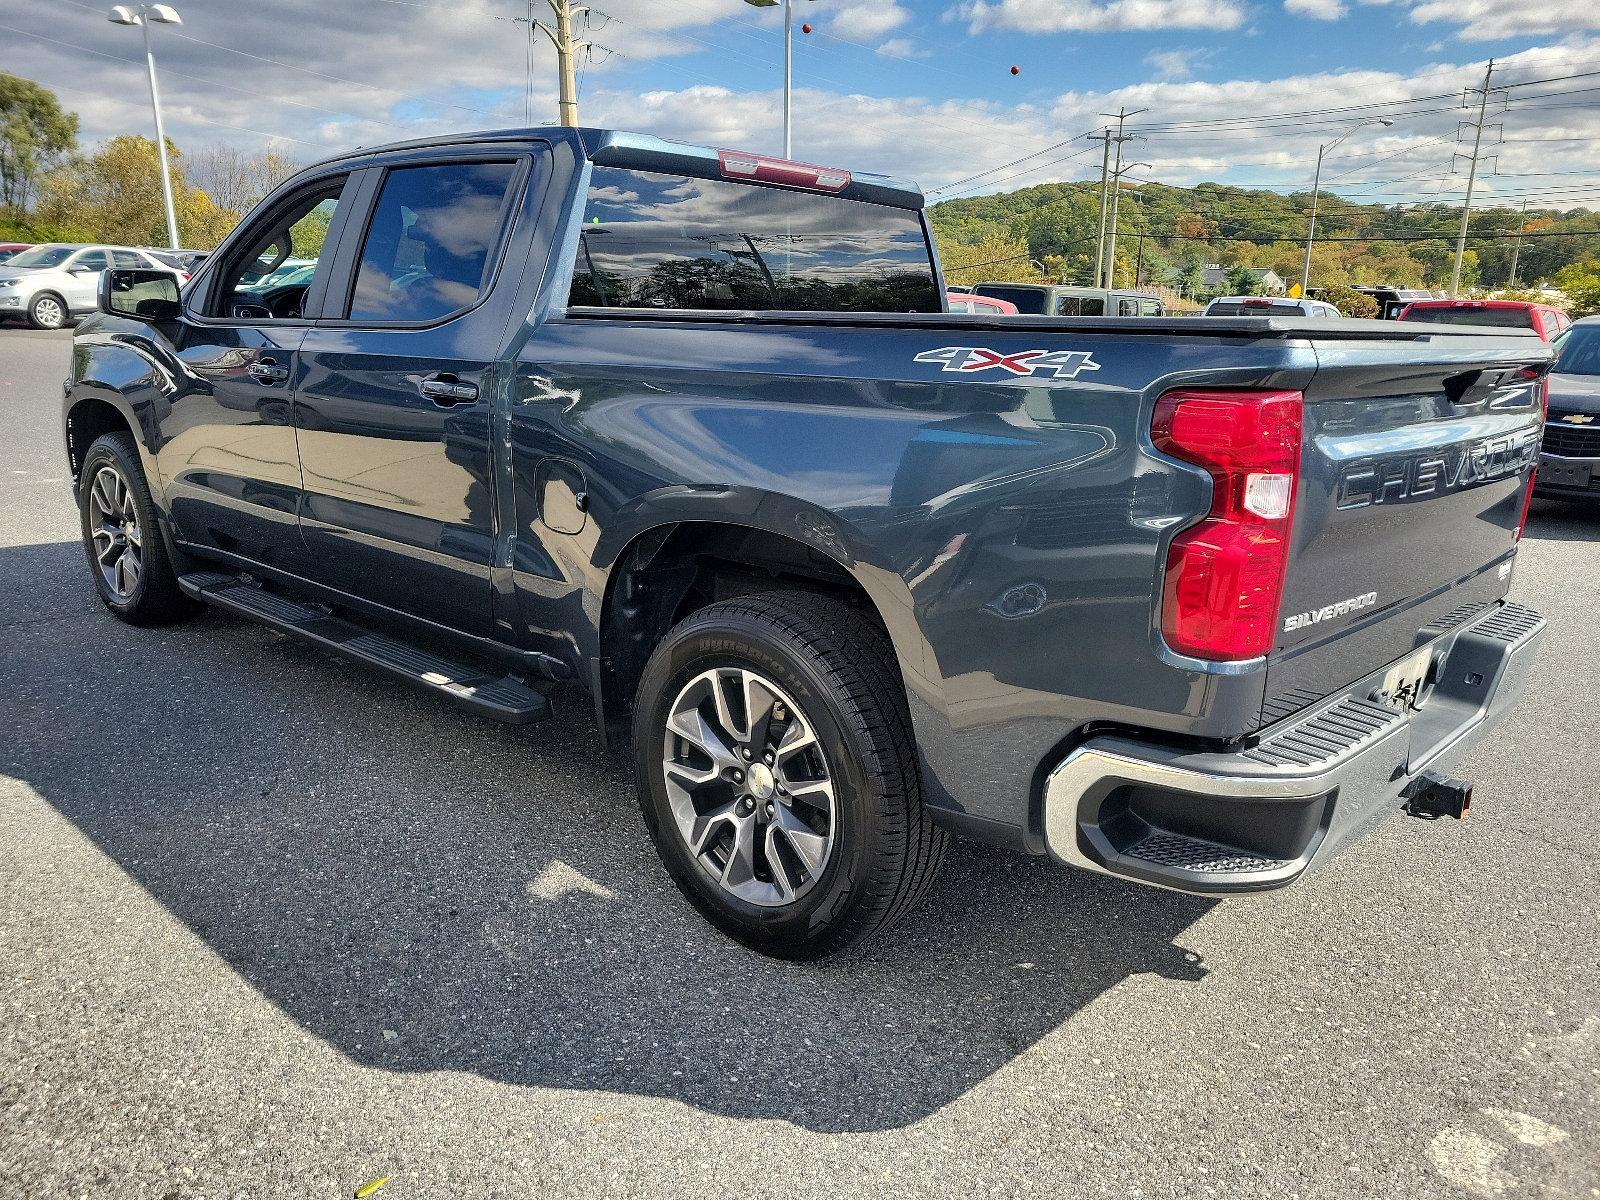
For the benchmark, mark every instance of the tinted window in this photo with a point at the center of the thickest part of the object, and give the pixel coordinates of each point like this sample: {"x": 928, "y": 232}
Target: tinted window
{"x": 1578, "y": 351}
{"x": 429, "y": 246}
{"x": 1027, "y": 299}
{"x": 1081, "y": 306}
{"x": 91, "y": 260}
{"x": 127, "y": 258}
{"x": 1506, "y": 318}
{"x": 666, "y": 241}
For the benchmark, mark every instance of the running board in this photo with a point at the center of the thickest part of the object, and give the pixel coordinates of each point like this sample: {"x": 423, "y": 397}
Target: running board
{"x": 499, "y": 697}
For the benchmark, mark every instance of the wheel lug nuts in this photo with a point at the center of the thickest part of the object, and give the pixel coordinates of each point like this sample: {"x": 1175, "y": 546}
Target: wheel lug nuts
{"x": 767, "y": 758}
{"x": 737, "y": 776}
{"x": 746, "y": 753}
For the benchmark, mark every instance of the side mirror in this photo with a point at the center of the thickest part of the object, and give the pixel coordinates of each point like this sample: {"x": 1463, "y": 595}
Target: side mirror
{"x": 83, "y": 270}
{"x": 140, "y": 293}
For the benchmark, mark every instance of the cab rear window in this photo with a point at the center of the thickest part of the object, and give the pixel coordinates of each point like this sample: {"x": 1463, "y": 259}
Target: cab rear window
{"x": 1027, "y": 299}
{"x": 1505, "y": 318}
{"x": 675, "y": 242}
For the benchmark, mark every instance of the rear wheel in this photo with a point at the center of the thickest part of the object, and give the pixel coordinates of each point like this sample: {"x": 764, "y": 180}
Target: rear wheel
{"x": 127, "y": 557}
{"x": 777, "y": 774}
{"x": 48, "y": 311}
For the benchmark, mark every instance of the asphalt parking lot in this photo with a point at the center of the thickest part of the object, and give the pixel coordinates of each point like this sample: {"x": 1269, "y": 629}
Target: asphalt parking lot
{"x": 271, "y": 927}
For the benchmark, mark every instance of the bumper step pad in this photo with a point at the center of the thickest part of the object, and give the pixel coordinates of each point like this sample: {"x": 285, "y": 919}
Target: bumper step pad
{"x": 477, "y": 689}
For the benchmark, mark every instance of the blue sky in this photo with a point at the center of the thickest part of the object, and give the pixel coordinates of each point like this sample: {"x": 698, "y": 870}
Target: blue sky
{"x": 918, "y": 88}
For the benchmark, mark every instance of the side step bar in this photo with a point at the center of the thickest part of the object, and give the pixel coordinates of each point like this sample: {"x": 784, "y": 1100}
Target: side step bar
{"x": 499, "y": 697}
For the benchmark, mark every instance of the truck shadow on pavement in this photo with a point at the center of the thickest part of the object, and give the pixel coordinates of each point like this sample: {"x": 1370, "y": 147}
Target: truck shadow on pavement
{"x": 428, "y": 892}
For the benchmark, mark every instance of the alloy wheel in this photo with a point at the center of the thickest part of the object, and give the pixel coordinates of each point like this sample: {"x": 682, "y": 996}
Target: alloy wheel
{"x": 115, "y": 538}
{"x": 749, "y": 786}
{"x": 48, "y": 312}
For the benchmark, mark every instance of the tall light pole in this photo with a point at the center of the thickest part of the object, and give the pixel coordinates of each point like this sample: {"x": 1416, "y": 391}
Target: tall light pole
{"x": 1316, "y": 189}
{"x": 788, "y": 68}
{"x": 142, "y": 15}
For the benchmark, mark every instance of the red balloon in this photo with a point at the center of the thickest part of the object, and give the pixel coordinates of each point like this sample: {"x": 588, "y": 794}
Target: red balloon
{"x": 805, "y": 29}
{"x": 1016, "y": 70}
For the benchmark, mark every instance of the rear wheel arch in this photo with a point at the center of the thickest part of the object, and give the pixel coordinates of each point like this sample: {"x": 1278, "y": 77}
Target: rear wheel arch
{"x": 672, "y": 570}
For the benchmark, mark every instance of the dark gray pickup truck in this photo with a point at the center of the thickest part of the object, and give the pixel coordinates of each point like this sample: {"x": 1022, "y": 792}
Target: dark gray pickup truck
{"x": 688, "y": 432}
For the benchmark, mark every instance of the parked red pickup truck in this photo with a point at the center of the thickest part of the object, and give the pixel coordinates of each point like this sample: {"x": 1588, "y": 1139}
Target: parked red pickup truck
{"x": 1543, "y": 319}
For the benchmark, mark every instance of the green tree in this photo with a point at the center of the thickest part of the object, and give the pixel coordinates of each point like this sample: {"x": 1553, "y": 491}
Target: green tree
{"x": 1351, "y": 302}
{"x": 1581, "y": 282}
{"x": 35, "y": 133}
{"x": 1241, "y": 281}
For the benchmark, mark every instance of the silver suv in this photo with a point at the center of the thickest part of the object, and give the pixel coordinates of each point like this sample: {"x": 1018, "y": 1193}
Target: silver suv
{"x": 52, "y": 283}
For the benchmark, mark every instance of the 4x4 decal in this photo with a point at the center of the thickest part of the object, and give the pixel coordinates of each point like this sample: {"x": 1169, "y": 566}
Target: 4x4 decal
{"x": 1062, "y": 364}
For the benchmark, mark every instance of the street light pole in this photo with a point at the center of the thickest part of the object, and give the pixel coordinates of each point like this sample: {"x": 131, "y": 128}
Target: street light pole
{"x": 1316, "y": 192}
{"x": 142, "y": 15}
{"x": 788, "y": 68}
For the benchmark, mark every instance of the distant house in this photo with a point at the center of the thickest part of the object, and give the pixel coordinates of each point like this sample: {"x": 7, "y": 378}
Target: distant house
{"x": 1272, "y": 284}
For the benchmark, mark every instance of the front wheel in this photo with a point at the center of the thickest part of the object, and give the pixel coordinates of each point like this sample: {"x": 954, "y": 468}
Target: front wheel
{"x": 127, "y": 558}
{"x": 777, "y": 773}
{"x": 48, "y": 311}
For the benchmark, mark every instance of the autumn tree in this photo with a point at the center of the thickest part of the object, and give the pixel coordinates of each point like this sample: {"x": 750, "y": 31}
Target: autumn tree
{"x": 115, "y": 196}
{"x": 237, "y": 180}
{"x": 993, "y": 258}
{"x": 35, "y": 133}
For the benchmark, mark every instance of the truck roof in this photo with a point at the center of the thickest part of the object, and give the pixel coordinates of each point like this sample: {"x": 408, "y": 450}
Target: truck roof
{"x": 646, "y": 152}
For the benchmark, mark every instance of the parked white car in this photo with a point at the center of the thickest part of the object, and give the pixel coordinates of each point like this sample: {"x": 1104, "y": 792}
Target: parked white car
{"x": 1268, "y": 306}
{"x": 51, "y": 284}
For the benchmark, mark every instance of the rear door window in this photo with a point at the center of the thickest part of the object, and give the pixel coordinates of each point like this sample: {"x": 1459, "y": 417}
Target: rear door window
{"x": 429, "y": 248}
{"x": 674, "y": 242}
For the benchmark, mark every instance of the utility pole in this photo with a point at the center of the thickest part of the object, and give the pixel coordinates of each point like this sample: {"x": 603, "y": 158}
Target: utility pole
{"x": 567, "y": 50}
{"x": 1516, "y": 247}
{"x": 1105, "y": 201}
{"x": 1472, "y": 178}
{"x": 1122, "y": 115}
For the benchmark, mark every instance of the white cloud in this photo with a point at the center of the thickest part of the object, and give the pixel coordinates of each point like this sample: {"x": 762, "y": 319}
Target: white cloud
{"x": 904, "y": 48}
{"x": 1321, "y": 10}
{"x": 1490, "y": 20}
{"x": 863, "y": 20}
{"x": 478, "y": 84}
{"x": 1060, "y": 16}
{"x": 1173, "y": 64}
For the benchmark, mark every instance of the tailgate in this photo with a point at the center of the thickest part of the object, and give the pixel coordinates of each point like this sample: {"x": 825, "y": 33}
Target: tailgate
{"x": 1415, "y": 467}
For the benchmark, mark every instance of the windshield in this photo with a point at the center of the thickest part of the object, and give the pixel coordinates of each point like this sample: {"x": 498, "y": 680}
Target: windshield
{"x": 1027, "y": 299}
{"x": 1504, "y": 318}
{"x": 1578, "y": 351}
{"x": 43, "y": 256}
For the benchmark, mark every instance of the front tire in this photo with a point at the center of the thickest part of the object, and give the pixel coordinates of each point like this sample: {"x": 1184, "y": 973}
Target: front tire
{"x": 128, "y": 560}
{"x": 777, "y": 773}
{"x": 47, "y": 311}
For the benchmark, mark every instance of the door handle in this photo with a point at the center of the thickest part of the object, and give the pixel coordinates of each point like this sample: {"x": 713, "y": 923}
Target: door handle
{"x": 445, "y": 389}
{"x": 267, "y": 371}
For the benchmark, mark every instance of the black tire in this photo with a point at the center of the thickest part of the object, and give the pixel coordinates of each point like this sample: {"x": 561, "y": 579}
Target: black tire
{"x": 48, "y": 311}
{"x": 153, "y": 598}
{"x": 840, "y": 671}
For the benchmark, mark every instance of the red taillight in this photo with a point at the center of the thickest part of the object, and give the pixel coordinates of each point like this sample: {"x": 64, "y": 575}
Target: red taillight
{"x": 738, "y": 165}
{"x": 1224, "y": 578}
